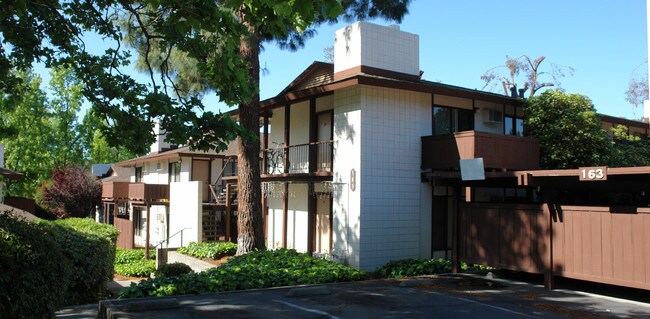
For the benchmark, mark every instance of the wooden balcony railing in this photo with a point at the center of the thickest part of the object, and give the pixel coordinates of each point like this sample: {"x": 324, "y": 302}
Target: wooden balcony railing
{"x": 148, "y": 192}
{"x": 115, "y": 190}
{"x": 498, "y": 151}
{"x": 302, "y": 158}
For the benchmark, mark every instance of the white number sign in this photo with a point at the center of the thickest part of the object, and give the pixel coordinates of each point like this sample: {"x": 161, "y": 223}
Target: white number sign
{"x": 598, "y": 173}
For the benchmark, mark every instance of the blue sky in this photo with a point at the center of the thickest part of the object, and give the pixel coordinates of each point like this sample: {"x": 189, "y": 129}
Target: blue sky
{"x": 605, "y": 42}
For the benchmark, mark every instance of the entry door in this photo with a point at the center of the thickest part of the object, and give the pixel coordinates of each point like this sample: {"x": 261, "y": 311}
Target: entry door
{"x": 201, "y": 172}
{"x": 324, "y": 153}
{"x": 323, "y": 225}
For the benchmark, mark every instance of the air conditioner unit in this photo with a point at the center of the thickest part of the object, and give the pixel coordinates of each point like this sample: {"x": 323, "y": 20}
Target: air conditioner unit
{"x": 493, "y": 116}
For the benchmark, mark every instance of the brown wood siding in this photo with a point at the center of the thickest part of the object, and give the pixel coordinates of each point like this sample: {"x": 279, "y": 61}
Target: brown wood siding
{"x": 141, "y": 191}
{"x": 498, "y": 151}
{"x": 26, "y": 204}
{"x": 603, "y": 244}
{"x": 600, "y": 244}
{"x": 115, "y": 190}
{"x": 125, "y": 239}
{"x": 503, "y": 235}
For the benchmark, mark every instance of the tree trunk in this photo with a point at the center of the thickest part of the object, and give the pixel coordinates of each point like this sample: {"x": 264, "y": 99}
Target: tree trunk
{"x": 249, "y": 213}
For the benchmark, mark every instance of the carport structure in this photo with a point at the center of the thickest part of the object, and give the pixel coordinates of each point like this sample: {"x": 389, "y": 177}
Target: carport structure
{"x": 589, "y": 223}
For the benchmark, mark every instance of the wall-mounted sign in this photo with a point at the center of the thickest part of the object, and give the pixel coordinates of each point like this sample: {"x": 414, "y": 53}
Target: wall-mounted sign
{"x": 597, "y": 173}
{"x": 472, "y": 169}
{"x": 353, "y": 179}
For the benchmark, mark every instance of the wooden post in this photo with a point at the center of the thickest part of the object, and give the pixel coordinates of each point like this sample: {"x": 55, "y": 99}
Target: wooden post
{"x": 285, "y": 212}
{"x": 146, "y": 243}
{"x": 455, "y": 262}
{"x": 549, "y": 281}
{"x": 228, "y": 212}
{"x": 265, "y": 152}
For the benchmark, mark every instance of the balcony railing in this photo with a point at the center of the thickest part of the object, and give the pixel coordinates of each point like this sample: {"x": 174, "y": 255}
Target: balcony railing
{"x": 498, "y": 151}
{"x": 302, "y": 158}
{"x": 148, "y": 192}
{"x": 115, "y": 190}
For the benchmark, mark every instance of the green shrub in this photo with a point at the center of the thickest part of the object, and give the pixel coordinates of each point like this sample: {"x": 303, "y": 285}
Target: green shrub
{"x": 415, "y": 267}
{"x": 213, "y": 250}
{"x": 50, "y": 264}
{"x": 90, "y": 246}
{"x": 35, "y": 270}
{"x": 172, "y": 270}
{"x": 259, "y": 269}
{"x": 131, "y": 263}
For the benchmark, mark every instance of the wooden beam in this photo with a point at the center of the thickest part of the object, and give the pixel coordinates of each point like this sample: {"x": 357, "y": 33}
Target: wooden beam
{"x": 285, "y": 212}
{"x": 455, "y": 262}
{"x": 146, "y": 243}
{"x": 228, "y": 212}
{"x": 265, "y": 169}
{"x": 549, "y": 281}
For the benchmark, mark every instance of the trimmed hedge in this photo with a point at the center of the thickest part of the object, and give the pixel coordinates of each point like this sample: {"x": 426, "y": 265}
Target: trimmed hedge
{"x": 50, "y": 264}
{"x": 212, "y": 250}
{"x": 259, "y": 269}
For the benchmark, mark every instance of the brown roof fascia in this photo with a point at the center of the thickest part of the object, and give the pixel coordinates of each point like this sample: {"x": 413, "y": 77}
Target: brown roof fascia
{"x": 163, "y": 156}
{"x": 425, "y": 87}
{"x": 306, "y": 73}
{"x": 622, "y": 121}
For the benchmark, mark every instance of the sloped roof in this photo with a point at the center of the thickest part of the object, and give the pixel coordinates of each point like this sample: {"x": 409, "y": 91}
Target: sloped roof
{"x": 178, "y": 153}
{"x": 319, "y": 79}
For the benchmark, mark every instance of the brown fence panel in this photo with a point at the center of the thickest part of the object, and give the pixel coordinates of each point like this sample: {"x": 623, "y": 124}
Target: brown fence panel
{"x": 125, "y": 239}
{"x": 511, "y": 236}
{"x": 26, "y": 204}
{"x": 603, "y": 244}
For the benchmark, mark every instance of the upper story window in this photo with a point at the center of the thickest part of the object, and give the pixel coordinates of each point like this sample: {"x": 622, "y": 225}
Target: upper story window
{"x": 513, "y": 121}
{"x": 138, "y": 174}
{"x": 175, "y": 172}
{"x": 447, "y": 120}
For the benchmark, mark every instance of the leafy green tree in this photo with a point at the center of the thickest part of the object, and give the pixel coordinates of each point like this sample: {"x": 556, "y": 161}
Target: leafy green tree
{"x": 26, "y": 115}
{"x": 65, "y": 104}
{"x": 569, "y": 130}
{"x": 627, "y": 149}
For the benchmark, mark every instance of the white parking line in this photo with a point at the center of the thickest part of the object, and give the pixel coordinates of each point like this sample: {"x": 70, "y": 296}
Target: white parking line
{"x": 307, "y": 309}
{"x": 482, "y": 304}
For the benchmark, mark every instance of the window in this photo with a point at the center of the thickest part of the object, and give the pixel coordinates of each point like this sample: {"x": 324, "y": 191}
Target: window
{"x": 175, "y": 172}
{"x": 448, "y": 120}
{"x": 138, "y": 174}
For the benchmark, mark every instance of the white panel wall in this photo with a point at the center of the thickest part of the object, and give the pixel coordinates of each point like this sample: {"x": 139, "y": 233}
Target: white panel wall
{"x": 276, "y": 136}
{"x": 297, "y": 221}
{"x": 185, "y": 211}
{"x": 324, "y": 103}
{"x": 346, "y": 157}
{"x": 393, "y": 122}
{"x": 299, "y": 131}
{"x": 274, "y": 222}
{"x": 376, "y": 46}
{"x": 156, "y": 172}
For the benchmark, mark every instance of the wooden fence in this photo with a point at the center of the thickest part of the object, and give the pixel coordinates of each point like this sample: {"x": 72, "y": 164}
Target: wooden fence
{"x": 600, "y": 244}
{"x": 125, "y": 239}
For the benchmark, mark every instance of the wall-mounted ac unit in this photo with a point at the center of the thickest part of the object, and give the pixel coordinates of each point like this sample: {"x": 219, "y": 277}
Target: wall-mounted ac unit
{"x": 493, "y": 116}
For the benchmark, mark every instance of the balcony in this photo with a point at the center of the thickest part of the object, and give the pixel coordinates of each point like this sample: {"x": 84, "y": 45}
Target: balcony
{"x": 115, "y": 190}
{"x": 148, "y": 192}
{"x": 311, "y": 158}
{"x": 504, "y": 152}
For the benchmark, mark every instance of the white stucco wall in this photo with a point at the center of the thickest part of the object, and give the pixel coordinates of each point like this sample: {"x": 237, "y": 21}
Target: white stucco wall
{"x": 274, "y": 221}
{"x": 297, "y": 221}
{"x": 185, "y": 211}
{"x": 186, "y": 169}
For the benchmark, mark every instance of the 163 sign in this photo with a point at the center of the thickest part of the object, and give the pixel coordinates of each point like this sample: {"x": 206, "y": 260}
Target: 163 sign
{"x": 597, "y": 173}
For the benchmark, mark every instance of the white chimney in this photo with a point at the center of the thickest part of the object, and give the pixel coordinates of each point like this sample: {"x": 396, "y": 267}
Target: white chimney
{"x": 159, "y": 144}
{"x": 367, "y": 48}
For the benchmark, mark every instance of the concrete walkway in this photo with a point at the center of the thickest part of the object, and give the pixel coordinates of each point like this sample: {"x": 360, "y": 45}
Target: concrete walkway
{"x": 447, "y": 296}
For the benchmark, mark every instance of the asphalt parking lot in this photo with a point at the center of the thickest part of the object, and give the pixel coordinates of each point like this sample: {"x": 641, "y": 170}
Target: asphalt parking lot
{"x": 450, "y": 296}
